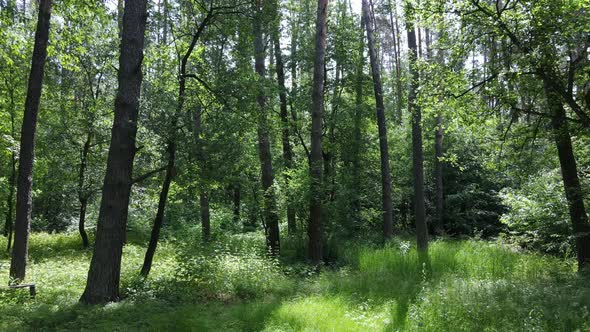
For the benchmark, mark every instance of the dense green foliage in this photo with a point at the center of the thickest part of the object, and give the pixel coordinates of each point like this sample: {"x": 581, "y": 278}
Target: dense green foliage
{"x": 472, "y": 285}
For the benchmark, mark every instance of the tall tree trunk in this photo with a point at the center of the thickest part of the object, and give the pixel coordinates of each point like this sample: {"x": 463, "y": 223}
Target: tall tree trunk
{"x": 438, "y": 163}
{"x": 358, "y": 118}
{"x": 417, "y": 154}
{"x": 387, "y": 205}
{"x": 159, "y": 220}
{"x": 569, "y": 173}
{"x": 439, "y": 171}
{"x": 398, "y": 69}
{"x": 12, "y": 179}
{"x": 315, "y": 230}
{"x": 286, "y": 135}
{"x": 83, "y": 196}
{"x": 329, "y": 181}
{"x": 203, "y": 195}
{"x": 271, "y": 217}
{"x": 22, "y": 224}
{"x": 10, "y": 202}
{"x": 105, "y": 268}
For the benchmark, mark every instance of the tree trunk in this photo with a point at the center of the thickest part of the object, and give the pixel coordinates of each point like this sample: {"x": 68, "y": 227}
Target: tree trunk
{"x": 83, "y": 196}
{"x": 159, "y": 220}
{"x": 439, "y": 168}
{"x": 22, "y": 224}
{"x": 205, "y": 216}
{"x": 82, "y": 222}
{"x": 105, "y": 268}
{"x": 286, "y": 135}
{"x": 358, "y": 118}
{"x": 417, "y": 154}
{"x": 569, "y": 173}
{"x": 315, "y": 230}
{"x": 397, "y": 55}
{"x": 438, "y": 163}
{"x": 267, "y": 177}
{"x": 387, "y": 205}
{"x": 237, "y": 202}
{"x": 12, "y": 179}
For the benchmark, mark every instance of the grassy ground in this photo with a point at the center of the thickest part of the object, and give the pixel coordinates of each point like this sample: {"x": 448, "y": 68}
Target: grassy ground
{"x": 230, "y": 286}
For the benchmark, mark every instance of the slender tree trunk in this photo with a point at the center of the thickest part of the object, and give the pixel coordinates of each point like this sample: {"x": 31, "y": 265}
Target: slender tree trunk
{"x": 12, "y": 179}
{"x": 398, "y": 65}
{"x": 105, "y": 268}
{"x": 417, "y": 153}
{"x": 387, "y": 205}
{"x": 159, "y": 220}
{"x": 205, "y": 215}
{"x": 439, "y": 170}
{"x": 439, "y": 164}
{"x": 10, "y": 202}
{"x": 286, "y": 135}
{"x": 358, "y": 118}
{"x": 269, "y": 200}
{"x": 315, "y": 230}
{"x": 22, "y": 227}
{"x": 83, "y": 196}
{"x": 237, "y": 200}
{"x": 329, "y": 158}
{"x": 203, "y": 195}
{"x": 569, "y": 173}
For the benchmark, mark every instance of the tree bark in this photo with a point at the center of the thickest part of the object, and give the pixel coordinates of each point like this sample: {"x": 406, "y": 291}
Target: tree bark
{"x": 286, "y": 135}
{"x": 439, "y": 171}
{"x": 358, "y": 118}
{"x": 205, "y": 216}
{"x": 417, "y": 153}
{"x": 22, "y": 224}
{"x": 237, "y": 201}
{"x": 105, "y": 268}
{"x": 569, "y": 173}
{"x": 83, "y": 196}
{"x": 267, "y": 177}
{"x": 315, "y": 230}
{"x": 387, "y": 205}
{"x": 12, "y": 179}
{"x": 159, "y": 220}
{"x": 439, "y": 164}
{"x": 397, "y": 49}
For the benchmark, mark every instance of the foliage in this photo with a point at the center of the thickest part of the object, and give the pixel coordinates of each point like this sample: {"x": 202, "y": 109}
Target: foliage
{"x": 470, "y": 285}
{"x": 538, "y": 218}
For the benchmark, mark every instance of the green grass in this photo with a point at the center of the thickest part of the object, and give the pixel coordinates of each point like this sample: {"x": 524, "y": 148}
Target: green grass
{"x": 232, "y": 286}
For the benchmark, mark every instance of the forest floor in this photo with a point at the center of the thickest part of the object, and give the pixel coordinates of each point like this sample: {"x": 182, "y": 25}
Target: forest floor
{"x": 231, "y": 286}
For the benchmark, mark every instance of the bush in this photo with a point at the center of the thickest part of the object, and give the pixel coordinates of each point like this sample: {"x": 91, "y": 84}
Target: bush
{"x": 538, "y": 218}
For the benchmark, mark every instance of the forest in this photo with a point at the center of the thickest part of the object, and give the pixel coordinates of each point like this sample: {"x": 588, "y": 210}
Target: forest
{"x": 295, "y": 165}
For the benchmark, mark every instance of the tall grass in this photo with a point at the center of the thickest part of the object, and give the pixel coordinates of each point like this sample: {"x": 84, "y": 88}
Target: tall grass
{"x": 232, "y": 285}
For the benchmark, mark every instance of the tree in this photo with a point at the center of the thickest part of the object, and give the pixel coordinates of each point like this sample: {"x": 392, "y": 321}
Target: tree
{"x": 315, "y": 229}
{"x": 271, "y": 218}
{"x": 382, "y": 125}
{"x": 22, "y": 224}
{"x": 285, "y": 122}
{"x": 105, "y": 267}
{"x": 417, "y": 153}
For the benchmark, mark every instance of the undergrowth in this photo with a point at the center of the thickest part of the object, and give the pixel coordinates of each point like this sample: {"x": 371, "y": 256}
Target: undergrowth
{"x": 232, "y": 285}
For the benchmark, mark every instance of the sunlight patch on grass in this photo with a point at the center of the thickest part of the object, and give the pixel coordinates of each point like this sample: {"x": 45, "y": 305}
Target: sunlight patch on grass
{"x": 321, "y": 313}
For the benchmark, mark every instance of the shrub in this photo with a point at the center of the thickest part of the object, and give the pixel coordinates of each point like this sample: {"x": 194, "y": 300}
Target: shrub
{"x": 538, "y": 217}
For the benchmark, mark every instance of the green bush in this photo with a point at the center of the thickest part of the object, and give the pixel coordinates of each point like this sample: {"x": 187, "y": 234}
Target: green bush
{"x": 538, "y": 218}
